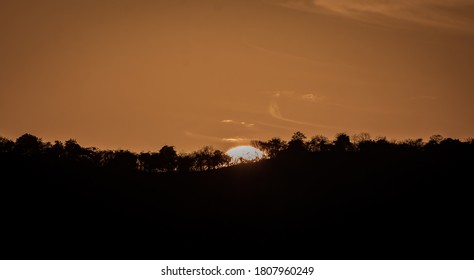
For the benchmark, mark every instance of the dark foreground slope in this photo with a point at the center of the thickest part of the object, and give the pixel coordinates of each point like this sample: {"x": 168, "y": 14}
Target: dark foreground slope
{"x": 317, "y": 206}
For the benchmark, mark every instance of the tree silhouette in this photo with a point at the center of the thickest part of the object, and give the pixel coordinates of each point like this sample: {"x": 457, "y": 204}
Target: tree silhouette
{"x": 28, "y": 145}
{"x": 6, "y": 145}
{"x": 434, "y": 143}
{"x": 167, "y": 159}
{"x": 207, "y": 159}
{"x": 360, "y": 138}
{"x": 123, "y": 160}
{"x": 318, "y": 143}
{"x": 379, "y": 145}
{"x": 412, "y": 144}
{"x": 219, "y": 159}
{"x": 57, "y": 149}
{"x": 73, "y": 151}
{"x": 186, "y": 162}
{"x": 155, "y": 162}
{"x": 297, "y": 142}
{"x": 203, "y": 158}
{"x": 271, "y": 148}
{"x": 451, "y": 145}
{"x": 436, "y": 139}
{"x": 342, "y": 143}
{"x": 145, "y": 162}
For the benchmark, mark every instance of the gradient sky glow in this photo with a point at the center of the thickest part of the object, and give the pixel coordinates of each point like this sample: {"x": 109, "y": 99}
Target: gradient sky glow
{"x": 142, "y": 74}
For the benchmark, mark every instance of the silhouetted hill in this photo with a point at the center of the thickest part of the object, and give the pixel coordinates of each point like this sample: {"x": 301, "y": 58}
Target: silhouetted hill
{"x": 390, "y": 204}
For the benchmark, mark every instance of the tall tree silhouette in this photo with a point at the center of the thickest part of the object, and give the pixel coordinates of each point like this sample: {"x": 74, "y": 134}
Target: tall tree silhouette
{"x": 318, "y": 143}
{"x": 297, "y": 142}
{"x": 342, "y": 143}
{"x": 28, "y": 144}
{"x": 207, "y": 158}
{"x": 219, "y": 159}
{"x": 167, "y": 158}
{"x": 203, "y": 157}
{"x": 73, "y": 150}
{"x": 272, "y": 148}
{"x": 360, "y": 138}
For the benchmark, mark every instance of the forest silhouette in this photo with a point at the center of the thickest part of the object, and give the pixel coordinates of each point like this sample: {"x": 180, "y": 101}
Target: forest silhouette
{"x": 346, "y": 198}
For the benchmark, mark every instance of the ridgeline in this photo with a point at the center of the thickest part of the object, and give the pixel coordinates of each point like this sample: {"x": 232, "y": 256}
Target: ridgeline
{"x": 308, "y": 199}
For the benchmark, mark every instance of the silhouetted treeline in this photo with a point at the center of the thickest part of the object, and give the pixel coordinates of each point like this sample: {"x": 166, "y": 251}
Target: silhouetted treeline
{"x": 360, "y": 143}
{"x": 167, "y": 159}
{"x": 311, "y": 198}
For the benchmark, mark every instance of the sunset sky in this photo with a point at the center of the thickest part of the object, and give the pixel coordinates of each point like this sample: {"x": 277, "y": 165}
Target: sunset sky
{"x": 138, "y": 75}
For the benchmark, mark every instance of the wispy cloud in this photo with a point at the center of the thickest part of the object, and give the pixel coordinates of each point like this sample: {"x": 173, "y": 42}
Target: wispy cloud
{"x": 274, "y": 111}
{"x": 279, "y": 93}
{"x": 236, "y": 140}
{"x": 274, "y": 108}
{"x": 245, "y": 124}
{"x": 312, "y": 97}
{"x": 452, "y": 14}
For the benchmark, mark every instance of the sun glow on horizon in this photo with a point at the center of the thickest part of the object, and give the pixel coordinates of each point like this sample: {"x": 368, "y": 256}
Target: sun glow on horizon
{"x": 245, "y": 153}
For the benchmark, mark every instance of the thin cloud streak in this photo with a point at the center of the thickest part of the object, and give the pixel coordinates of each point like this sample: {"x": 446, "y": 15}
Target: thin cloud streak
{"x": 236, "y": 140}
{"x": 431, "y": 13}
{"x": 274, "y": 111}
{"x": 242, "y": 123}
{"x": 312, "y": 97}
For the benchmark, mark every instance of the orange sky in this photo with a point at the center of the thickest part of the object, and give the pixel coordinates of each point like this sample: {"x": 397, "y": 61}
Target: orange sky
{"x": 142, "y": 74}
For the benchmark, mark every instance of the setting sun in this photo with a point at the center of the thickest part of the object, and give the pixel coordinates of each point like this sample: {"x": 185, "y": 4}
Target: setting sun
{"x": 244, "y": 153}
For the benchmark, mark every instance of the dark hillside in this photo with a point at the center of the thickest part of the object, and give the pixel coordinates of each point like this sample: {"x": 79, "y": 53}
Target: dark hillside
{"x": 334, "y": 205}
